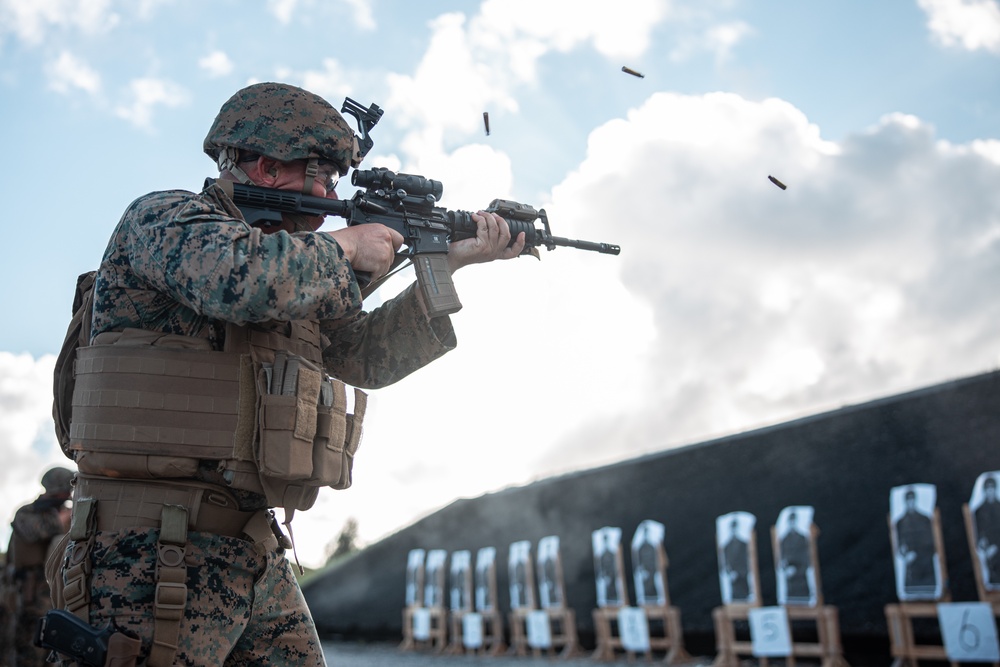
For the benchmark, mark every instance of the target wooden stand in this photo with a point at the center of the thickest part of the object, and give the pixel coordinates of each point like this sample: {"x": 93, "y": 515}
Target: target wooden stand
{"x": 559, "y": 621}
{"x": 662, "y": 621}
{"x": 905, "y": 649}
{"x": 518, "y": 622}
{"x": 425, "y": 619}
{"x": 436, "y": 636}
{"x": 665, "y": 635}
{"x": 990, "y": 596}
{"x": 899, "y": 616}
{"x": 562, "y": 632}
{"x": 727, "y": 645}
{"x": 826, "y": 649}
{"x": 492, "y": 639}
{"x": 822, "y": 620}
{"x": 482, "y": 596}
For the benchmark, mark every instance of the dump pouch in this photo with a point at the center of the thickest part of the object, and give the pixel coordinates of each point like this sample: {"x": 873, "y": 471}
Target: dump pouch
{"x": 53, "y": 567}
{"x": 123, "y": 650}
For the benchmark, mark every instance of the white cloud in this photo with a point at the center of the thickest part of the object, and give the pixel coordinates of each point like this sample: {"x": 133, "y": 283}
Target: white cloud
{"x": 282, "y": 9}
{"x": 67, "y": 72}
{"x": 216, "y": 63}
{"x": 147, "y": 93}
{"x": 988, "y": 148}
{"x": 772, "y": 303}
{"x": 145, "y": 9}
{"x": 450, "y": 87}
{"x": 562, "y": 25}
{"x": 332, "y": 83}
{"x": 483, "y": 59}
{"x": 31, "y": 21}
{"x": 969, "y": 24}
{"x": 26, "y": 431}
{"x": 476, "y": 64}
{"x": 285, "y": 10}
{"x": 364, "y": 18}
{"x": 721, "y": 39}
{"x": 718, "y": 40}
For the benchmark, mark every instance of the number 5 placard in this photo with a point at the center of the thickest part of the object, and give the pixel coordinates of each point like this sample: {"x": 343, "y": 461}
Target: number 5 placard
{"x": 769, "y": 632}
{"x": 969, "y": 631}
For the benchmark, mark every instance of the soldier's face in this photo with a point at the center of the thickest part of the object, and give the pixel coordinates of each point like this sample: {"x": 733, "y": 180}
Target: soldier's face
{"x": 324, "y": 185}
{"x": 292, "y": 176}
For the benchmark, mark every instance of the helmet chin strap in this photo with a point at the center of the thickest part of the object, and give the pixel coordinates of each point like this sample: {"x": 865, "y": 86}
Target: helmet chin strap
{"x": 227, "y": 162}
{"x": 312, "y": 168}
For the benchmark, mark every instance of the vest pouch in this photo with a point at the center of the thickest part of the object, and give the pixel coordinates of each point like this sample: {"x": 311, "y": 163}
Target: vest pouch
{"x": 331, "y": 428}
{"x": 288, "y": 419}
{"x": 352, "y": 439}
{"x": 135, "y": 466}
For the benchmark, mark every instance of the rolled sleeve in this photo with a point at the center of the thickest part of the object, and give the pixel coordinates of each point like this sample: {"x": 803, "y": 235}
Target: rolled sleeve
{"x": 378, "y": 348}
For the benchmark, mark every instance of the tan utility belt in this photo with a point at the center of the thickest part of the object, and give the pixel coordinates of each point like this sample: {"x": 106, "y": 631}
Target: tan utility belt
{"x": 122, "y": 505}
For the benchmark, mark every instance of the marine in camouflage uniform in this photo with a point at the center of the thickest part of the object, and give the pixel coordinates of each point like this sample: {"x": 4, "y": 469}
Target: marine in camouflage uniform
{"x": 36, "y": 526}
{"x": 187, "y": 264}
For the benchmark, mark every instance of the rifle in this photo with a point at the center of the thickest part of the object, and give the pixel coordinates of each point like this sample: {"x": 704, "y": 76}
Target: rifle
{"x": 405, "y": 203}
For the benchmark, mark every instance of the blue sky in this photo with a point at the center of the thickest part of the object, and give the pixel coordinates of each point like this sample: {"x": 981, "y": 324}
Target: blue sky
{"x": 733, "y": 304}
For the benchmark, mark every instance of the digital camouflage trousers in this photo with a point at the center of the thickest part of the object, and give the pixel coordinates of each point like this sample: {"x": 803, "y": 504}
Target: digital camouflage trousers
{"x": 243, "y": 609}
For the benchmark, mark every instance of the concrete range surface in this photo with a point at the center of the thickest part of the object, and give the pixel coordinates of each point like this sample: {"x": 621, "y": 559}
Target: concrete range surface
{"x": 383, "y": 654}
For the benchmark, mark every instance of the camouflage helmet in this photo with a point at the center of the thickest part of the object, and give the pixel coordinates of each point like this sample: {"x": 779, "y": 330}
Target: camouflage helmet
{"x": 285, "y": 123}
{"x": 58, "y": 481}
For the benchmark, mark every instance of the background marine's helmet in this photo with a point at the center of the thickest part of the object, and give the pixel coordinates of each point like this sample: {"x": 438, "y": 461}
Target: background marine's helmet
{"x": 58, "y": 481}
{"x": 282, "y": 122}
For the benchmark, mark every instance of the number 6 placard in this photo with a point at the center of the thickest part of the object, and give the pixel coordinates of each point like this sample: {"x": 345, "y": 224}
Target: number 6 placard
{"x": 969, "y": 632}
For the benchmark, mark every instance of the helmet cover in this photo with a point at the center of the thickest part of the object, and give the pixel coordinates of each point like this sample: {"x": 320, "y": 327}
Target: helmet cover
{"x": 285, "y": 123}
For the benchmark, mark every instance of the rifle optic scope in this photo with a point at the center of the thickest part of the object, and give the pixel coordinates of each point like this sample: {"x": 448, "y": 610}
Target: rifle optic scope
{"x": 382, "y": 178}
